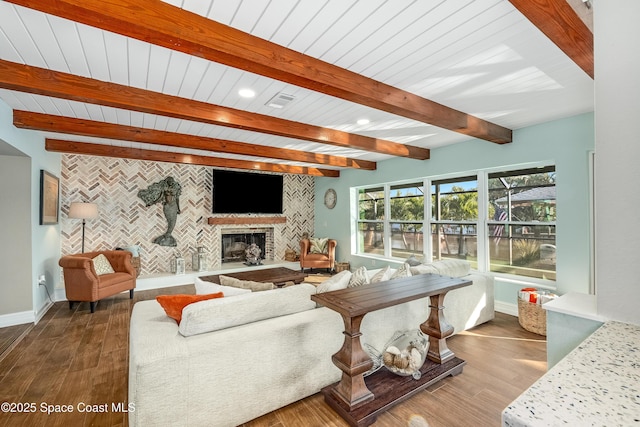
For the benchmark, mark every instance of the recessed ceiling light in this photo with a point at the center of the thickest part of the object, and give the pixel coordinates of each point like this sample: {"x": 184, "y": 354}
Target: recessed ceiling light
{"x": 363, "y": 121}
{"x": 247, "y": 93}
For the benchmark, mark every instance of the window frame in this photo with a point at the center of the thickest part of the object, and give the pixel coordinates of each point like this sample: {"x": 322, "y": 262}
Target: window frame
{"x": 482, "y": 222}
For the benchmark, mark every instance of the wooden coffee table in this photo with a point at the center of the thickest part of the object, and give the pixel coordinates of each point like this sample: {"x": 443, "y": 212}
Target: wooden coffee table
{"x": 279, "y": 276}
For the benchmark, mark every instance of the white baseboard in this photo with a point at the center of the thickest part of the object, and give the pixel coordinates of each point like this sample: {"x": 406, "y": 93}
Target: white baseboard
{"x": 506, "y": 308}
{"x": 19, "y": 318}
{"x": 59, "y": 294}
{"x": 43, "y": 310}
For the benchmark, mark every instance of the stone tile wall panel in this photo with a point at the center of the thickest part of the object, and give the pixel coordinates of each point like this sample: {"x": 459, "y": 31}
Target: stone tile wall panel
{"x": 113, "y": 184}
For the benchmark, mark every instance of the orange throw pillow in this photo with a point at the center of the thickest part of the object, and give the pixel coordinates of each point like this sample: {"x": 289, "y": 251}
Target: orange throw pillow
{"x": 173, "y": 304}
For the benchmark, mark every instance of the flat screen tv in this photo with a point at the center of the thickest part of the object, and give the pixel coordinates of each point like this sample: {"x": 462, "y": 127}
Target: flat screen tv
{"x": 246, "y": 192}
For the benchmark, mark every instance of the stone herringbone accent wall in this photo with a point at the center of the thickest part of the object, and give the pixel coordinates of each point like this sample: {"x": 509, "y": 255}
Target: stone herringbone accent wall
{"x": 123, "y": 220}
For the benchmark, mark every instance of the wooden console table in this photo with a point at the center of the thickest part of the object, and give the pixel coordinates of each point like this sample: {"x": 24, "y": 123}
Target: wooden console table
{"x": 359, "y": 400}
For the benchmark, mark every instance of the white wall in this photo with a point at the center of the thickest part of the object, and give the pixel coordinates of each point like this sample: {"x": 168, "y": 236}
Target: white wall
{"x": 15, "y": 229}
{"x": 44, "y": 247}
{"x": 566, "y": 142}
{"x": 617, "y": 89}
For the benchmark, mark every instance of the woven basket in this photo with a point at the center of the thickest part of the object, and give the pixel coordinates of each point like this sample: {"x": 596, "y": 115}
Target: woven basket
{"x": 135, "y": 262}
{"x": 532, "y": 317}
{"x": 342, "y": 266}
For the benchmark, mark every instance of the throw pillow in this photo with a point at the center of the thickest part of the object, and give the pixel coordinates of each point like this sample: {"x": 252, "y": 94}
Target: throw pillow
{"x": 245, "y": 284}
{"x": 319, "y": 245}
{"x": 423, "y": 269}
{"x": 359, "y": 277}
{"x": 452, "y": 267}
{"x": 413, "y": 261}
{"x": 337, "y": 282}
{"x": 403, "y": 271}
{"x": 102, "y": 265}
{"x": 203, "y": 287}
{"x": 382, "y": 275}
{"x": 173, "y": 304}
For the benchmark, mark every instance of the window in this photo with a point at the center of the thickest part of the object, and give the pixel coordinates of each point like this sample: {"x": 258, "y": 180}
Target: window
{"x": 454, "y": 219}
{"x": 371, "y": 208}
{"x": 521, "y": 222}
{"x": 503, "y": 222}
{"x": 406, "y": 203}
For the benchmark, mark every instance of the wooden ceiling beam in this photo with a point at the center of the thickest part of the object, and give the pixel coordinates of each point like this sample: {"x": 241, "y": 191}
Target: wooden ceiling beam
{"x": 562, "y": 25}
{"x": 168, "y": 26}
{"x": 83, "y": 148}
{"x": 25, "y": 78}
{"x": 60, "y": 124}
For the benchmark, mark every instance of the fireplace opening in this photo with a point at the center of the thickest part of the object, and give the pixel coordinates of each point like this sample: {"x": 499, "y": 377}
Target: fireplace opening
{"x": 234, "y": 245}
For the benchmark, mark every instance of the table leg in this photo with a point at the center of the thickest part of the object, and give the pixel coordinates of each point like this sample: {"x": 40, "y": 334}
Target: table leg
{"x": 438, "y": 329}
{"x": 353, "y": 361}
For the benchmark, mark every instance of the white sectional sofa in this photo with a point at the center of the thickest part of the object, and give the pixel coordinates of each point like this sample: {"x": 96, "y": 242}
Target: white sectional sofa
{"x": 236, "y": 358}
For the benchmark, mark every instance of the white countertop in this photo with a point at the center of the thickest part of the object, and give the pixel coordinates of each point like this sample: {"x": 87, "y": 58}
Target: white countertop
{"x": 597, "y": 384}
{"x": 575, "y": 304}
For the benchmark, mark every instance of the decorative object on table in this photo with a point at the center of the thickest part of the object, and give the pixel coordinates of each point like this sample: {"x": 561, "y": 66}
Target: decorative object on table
{"x": 376, "y": 358}
{"x": 84, "y": 211}
{"x": 199, "y": 259}
{"x": 252, "y": 255}
{"x": 168, "y": 193}
{"x": 330, "y": 198}
{"x": 49, "y": 198}
{"x": 531, "y": 316}
{"x": 177, "y": 264}
{"x": 405, "y": 353}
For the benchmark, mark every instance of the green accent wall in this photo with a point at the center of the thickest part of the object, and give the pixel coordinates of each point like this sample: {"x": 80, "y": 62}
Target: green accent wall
{"x": 565, "y": 142}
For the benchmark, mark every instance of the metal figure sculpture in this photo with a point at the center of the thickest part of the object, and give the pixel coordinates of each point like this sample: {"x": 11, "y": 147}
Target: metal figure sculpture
{"x": 168, "y": 192}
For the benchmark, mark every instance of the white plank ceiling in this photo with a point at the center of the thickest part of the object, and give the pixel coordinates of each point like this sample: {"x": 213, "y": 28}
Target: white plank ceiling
{"x": 481, "y": 57}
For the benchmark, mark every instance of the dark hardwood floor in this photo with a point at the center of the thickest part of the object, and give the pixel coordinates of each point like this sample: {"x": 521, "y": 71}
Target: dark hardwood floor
{"x": 72, "y": 357}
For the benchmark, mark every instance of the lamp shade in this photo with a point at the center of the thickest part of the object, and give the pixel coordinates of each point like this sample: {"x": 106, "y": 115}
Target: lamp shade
{"x": 83, "y": 210}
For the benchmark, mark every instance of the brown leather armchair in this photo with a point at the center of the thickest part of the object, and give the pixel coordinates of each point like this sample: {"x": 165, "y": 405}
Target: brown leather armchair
{"x": 82, "y": 283}
{"x": 309, "y": 260}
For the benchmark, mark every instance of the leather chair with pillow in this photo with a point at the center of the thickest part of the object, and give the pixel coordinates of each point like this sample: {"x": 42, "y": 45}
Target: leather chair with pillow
{"x": 91, "y": 277}
{"x": 318, "y": 253}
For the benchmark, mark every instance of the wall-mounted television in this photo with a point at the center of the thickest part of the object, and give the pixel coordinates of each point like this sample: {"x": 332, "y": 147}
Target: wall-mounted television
{"x": 246, "y": 192}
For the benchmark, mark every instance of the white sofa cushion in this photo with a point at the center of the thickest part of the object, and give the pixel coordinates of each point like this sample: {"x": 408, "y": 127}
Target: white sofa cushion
{"x": 337, "y": 282}
{"x": 222, "y": 313}
{"x": 424, "y": 269}
{"x": 203, "y": 287}
{"x": 444, "y": 267}
{"x": 452, "y": 267}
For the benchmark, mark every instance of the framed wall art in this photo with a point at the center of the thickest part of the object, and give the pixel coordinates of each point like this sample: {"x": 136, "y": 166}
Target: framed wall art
{"x": 49, "y": 198}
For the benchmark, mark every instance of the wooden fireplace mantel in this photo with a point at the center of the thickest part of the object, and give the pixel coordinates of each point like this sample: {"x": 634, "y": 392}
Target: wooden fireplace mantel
{"x": 247, "y": 220}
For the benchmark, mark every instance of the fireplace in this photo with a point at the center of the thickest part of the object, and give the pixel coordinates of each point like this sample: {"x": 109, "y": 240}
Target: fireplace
{"x": 235, "y": 243}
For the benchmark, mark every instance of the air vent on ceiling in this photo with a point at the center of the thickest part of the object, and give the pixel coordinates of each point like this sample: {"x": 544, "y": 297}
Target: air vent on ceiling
{"x": 280, "y": 100}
